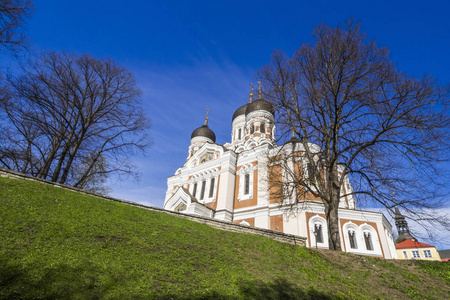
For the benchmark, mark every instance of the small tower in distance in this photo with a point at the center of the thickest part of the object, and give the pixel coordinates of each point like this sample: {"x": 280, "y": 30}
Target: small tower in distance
{"x": 402, "y": 227}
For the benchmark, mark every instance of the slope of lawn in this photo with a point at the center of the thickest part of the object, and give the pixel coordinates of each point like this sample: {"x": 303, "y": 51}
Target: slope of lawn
{"x": 60, "y": 244}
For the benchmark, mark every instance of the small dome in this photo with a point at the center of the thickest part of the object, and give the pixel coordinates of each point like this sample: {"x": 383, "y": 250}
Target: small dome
{"x": 205, "y": 132}
{"x": 259, "y": 104}
{"x": 239, "y": 111}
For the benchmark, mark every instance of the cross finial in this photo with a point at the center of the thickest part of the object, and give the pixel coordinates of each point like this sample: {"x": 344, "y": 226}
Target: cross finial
{"x": 250, "y": 98}
{"x": 206, "y": 118}
{"x": 259, "y": 91}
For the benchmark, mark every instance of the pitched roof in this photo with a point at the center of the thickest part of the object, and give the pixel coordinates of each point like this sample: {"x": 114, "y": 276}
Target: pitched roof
{"x": 411, "y": 244}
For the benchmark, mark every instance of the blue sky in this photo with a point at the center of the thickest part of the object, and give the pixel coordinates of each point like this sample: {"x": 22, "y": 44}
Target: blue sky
{"x": 191, "y": 55}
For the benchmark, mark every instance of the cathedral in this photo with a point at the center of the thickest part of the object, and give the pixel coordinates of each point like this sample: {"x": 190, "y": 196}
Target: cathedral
{"x": 243, "y": 182}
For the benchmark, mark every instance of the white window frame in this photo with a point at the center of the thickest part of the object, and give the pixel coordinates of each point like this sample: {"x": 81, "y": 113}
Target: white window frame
{"x": 194, "y": 189}
{"x": 415, "y": 254}
{"x": 211, "y": 189}
{"x": 318, "y": 220}
{"x": 247, "y": 169}
{"x": 374, "y": 239}
{"x": 353, "y": 237}
{"x": 405, "y": 254}
{"x": 368, "y": 233}
{"x": 427, "y": 254}
{"x": 203, "y": 190}
{"x": 360, "y": 242}
{"x": 211, "y": 199}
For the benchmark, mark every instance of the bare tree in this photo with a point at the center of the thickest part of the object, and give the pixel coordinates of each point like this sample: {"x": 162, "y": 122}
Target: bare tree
{"x": 72, "y": 119}
{"x": 12, "y": 16}
{"x": 358, "y": 118}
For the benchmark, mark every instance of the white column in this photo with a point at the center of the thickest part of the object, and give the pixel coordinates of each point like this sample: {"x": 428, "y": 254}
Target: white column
{"x": 225, "y": 198}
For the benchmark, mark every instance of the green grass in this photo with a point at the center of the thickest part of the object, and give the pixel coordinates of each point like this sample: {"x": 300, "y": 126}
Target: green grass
{"x": 60, "y": 244}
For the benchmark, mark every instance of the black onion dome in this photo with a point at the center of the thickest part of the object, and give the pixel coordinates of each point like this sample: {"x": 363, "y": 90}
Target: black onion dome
{"x": 239, "y": 111}
{"x": 259, "y": 104}
{"x": 205, "y": 132}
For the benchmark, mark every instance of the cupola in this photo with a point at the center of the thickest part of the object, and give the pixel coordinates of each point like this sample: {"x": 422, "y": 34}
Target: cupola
{"x": 259, "y": 104}
{"x": 253, "y": 123}
{"x": 204, "y": 131}
{"x": 200, "y": 136}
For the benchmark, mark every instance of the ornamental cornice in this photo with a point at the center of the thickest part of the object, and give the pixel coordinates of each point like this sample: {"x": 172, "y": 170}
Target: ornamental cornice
{"x": 246, "y": 157}
{"x": 386, "y": 224}
{"x": 252, "y": 211}
{"x": 259, "y": 113}
{"x": 247, "y": 169}
{"x": 360, "y": 216}
{"x": 203, "y": 175}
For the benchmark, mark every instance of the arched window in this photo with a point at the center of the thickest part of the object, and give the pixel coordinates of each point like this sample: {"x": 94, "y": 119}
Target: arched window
{"x": 211, "y": 188}
{"x": 195, "y": 190}
{"x": 368, "y": 240}
{"x": 247, "y": 184}
{"x": 263, "y": 127}
{"x": 310, "y": 170}
{"x": 202, "y": 193}
{"x": 318, "y": 233}
{"x": 239, "y": 133}
{"x": 252, "y": 128}
{"x": 352, "y": 239}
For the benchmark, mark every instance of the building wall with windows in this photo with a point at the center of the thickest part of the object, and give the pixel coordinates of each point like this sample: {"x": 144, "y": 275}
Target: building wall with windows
{"x": 246, "y": 182}
{"x": 411, "y": 249}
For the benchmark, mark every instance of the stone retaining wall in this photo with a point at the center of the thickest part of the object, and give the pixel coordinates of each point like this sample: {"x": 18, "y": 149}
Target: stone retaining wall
{"x": 222, "y": 225}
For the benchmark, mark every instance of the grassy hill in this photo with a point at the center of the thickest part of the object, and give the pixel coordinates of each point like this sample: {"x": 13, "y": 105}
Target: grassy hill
{"x": 60, "y": 244}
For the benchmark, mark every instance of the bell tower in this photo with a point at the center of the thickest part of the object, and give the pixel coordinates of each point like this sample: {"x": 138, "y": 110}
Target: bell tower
{"x": 402, "y": 227}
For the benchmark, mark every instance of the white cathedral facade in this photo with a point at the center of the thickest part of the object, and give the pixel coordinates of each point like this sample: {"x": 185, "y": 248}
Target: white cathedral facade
{"x": 235, "y": 182}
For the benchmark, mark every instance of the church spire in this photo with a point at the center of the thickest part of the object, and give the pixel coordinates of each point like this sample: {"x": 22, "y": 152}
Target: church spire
{"x": 206, "y": 118}
{"x": 293, "y": 136}
{"x": 250, "y": 98}
{"x": 402, "y": 227}
{"x": 259, "y": 91}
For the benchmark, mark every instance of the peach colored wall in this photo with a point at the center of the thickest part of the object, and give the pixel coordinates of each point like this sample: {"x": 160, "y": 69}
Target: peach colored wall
{"x": 250, "y": 202}
{"x": 275, "y": 184}
{"x": 276, "y": 221}
{"x": 250, "y": 221}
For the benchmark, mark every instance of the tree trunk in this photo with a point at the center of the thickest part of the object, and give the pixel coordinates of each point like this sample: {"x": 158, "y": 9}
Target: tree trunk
{"x": 334, "y": 240}
{"x": 72, "y": 155}
{"x": 331, "y": 212}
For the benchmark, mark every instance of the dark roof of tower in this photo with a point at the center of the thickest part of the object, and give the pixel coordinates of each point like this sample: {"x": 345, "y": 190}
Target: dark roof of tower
{"x": 239, "y": 111}
{"x": 254, "y": 105}
{"x": 204, "y": 131}
{"x": 398, "y": 215}
{"x": 259, "y": 104}
{"x": 294, "y": 139}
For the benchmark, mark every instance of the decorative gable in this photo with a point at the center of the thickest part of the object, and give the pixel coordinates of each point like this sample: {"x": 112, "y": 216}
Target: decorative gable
{"x": 183, "y": 201}
{"x": 180, "y": 200}
{"x": 208, "y": 152}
